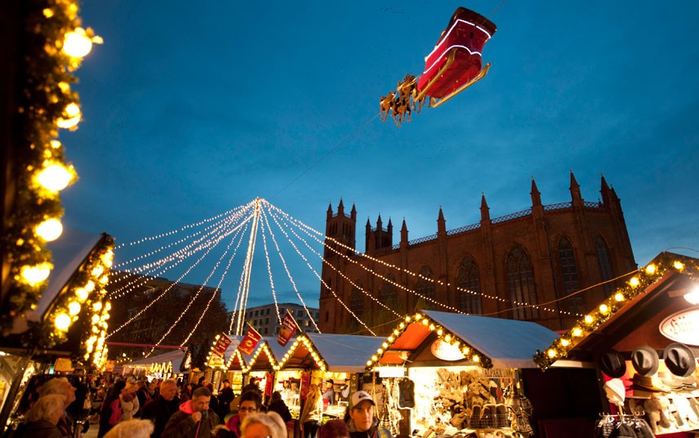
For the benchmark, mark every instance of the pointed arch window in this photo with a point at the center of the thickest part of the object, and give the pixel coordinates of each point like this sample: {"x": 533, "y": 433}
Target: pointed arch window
{"x": 569, "y": 275}
{"x": 356, "y": 301}
{"x": 469, "y": 287}
{"x": 425, "y": 287}
{"x": 605, "y": 264}
{"x": 520, "y": 284}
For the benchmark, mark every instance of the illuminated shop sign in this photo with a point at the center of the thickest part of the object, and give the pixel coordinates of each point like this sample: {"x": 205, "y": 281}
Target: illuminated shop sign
{"x": 682, "y": 326}
{"x": 446, "y": 351}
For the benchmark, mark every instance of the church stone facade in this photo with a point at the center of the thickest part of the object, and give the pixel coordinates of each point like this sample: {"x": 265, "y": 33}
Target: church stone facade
{"x": 527, "y": 265}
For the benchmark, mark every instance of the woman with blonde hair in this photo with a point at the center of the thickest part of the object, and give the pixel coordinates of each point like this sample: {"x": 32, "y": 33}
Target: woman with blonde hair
{"x": 129, "y": 400}
{"x": 263, "y": 426}
{"x": 312, "y": 412}
{"x": 43, "y": 417}
{"x": 131, "y": 429}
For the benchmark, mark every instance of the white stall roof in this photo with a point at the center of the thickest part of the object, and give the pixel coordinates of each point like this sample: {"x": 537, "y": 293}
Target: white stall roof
{"x": 508, "y": 343}
{"x": 345, "y": 353}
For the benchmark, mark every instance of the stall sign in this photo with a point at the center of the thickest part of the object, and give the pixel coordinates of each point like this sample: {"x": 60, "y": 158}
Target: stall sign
{"x": 252, "y": 337}
{"x": 446, "y": 351}
{"x": 222, "y": 344}
{"x": 499, "y": 373}
{"x": 682, "y": 326}
{"x": 287, "y": 329}
{"x": 63, "y": 365}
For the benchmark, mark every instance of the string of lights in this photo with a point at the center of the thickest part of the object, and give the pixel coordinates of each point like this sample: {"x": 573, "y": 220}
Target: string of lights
{"x": 185, "y": 227}
{"x": 310, "y": 231}
{"x": 286, "y": 268}
{"x": 178, "y": 258}
{"x": 220, "y": 281}
{"x": 342, "y": 303}
{"x": 376, "y": 274}
{"x": 168, "y": 288}
{"x": 244, "y": 288}
{"x": 356, "y": 286}
{"x": 269, "y": 271}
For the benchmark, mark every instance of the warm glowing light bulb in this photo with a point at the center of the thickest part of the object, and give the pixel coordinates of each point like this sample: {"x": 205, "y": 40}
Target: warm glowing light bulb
{"x": 565, "y": 342}
{"x": 81, "y": 294}
{"x": 90, "y": 286}
{"x": 619, "y": 296}
{"x": 73, "y": 116}
{"x": 55, "y": 177}
{"x": 62, "y": 322}
{"x": 36, "y": 274}
{"x": 650, "y": 269}
{"x": 97, "y": 270}
{"x": 476, "y": 358}
{"x": 73, "y": 308}
{"x": 589, "y": 319}
{"x": 551, "y": 353}
{"x": 577, "y": 332}
{"x": 77, "y": 44}
{"x": 49, "y": 230}
{"x": 634, "y": 282}
{"x": 604, "y": 309}
{"x": 678, "y": 265}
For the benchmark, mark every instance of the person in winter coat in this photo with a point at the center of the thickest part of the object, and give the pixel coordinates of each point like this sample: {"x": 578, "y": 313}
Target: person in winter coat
{"x": 312, "y": 412}
{"x": 162, "y": 407}
{"x": 277, "y": 405}
{"x": 61, "y": 386}
{"x": 362, "y": 422}
{"x": 43, "y": 417}
{"x": 129, "y": 401}
{"x": 250, "y": 403}
{"x": 194, "y": 419}
{"x": 225, "y": 397}
{"x": 110, "y": 413}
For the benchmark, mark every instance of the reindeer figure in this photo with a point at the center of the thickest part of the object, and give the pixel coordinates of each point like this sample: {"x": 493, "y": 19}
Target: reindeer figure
{"x": 402, "y": 110}
{"x": 387, "y": 105}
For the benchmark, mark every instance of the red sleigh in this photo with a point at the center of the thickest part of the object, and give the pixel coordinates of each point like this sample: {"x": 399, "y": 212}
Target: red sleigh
{"x": 455, "y": 64}
{"x": 456, "y": 61}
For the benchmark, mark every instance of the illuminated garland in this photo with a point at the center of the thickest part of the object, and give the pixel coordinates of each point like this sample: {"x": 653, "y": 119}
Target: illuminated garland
{"x": 303, "y": 339}
{"x": 470, "y": 353}
{"x": 637, "y": 285}
{"x": 54, "y": 46}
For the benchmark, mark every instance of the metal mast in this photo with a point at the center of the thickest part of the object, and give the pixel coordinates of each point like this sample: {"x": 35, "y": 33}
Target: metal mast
{"x": 247, "y": 269}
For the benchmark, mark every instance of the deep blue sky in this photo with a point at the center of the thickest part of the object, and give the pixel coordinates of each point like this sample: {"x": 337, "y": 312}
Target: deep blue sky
{"x": 193, "y": 109}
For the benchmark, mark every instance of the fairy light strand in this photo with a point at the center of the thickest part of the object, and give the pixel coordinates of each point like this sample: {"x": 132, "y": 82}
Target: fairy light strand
{"x": 218, "y": 286}
{"x": 164, "y": 292}
{"x": 269, "y": 270}
{"x": 320, "y": 256}
{"x": 286, "y": 268}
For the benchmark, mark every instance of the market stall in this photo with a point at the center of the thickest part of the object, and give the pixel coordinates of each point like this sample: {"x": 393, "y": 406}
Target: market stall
{"x": 68, "y": 321}
{"x": 643, "y": 342}
{"x": 328, "y": 360}
{"x": 446, "y": 373}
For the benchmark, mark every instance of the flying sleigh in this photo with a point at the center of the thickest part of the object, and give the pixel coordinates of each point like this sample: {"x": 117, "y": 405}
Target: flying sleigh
{"x": 455, "y": 64}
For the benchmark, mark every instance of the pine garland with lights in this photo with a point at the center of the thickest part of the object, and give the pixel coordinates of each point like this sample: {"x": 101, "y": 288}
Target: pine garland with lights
{"x": 621, "y": 297}
{"x": 45, "y": 103}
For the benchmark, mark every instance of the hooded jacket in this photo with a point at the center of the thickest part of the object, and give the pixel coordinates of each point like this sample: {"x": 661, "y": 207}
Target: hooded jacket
{"x": 375, "y": 431}
{"x": 181, "y": 424}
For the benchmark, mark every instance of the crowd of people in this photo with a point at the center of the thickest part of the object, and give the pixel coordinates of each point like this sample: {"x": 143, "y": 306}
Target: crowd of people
{"x": 56, "y": 407}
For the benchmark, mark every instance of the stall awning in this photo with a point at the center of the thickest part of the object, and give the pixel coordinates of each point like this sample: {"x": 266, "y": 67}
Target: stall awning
{"x": 497, "y": 342}
{"x": 267, "y": 355}
{"x": 166, "y": 363}
{"x": 331, "y": 352}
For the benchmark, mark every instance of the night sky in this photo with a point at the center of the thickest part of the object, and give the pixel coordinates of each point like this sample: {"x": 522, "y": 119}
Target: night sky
{"x": 191, "y": 110}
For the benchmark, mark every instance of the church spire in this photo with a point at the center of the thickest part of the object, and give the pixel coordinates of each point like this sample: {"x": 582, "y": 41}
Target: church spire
{"x": 574, "y": 188}
{"x": 535, "y": 194}
{"x": 441, "y": 223}
{"x": 485, "y": 211}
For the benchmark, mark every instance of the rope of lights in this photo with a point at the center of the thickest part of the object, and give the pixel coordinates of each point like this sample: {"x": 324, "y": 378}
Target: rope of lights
{"x": 637, "y": 285}
{"x": 269, "y": 272}
{"x": 470, "y": 354}
{"x": 342, "y": 303}
{"x": 211, "y": 230}
{"x": 167, "y": 290}
{"x": 320, "y": 256}
{"x": 286, "y": 268}
{"x": 310, "y": 230}
{"x": 349, "y": 259}
{"x": 143, "y": 278}
{"x": 169, "y": 233}
{"x": 244, "y": 286}
{"x": 303, "y": 339}
{"x": 218, "y": 286}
